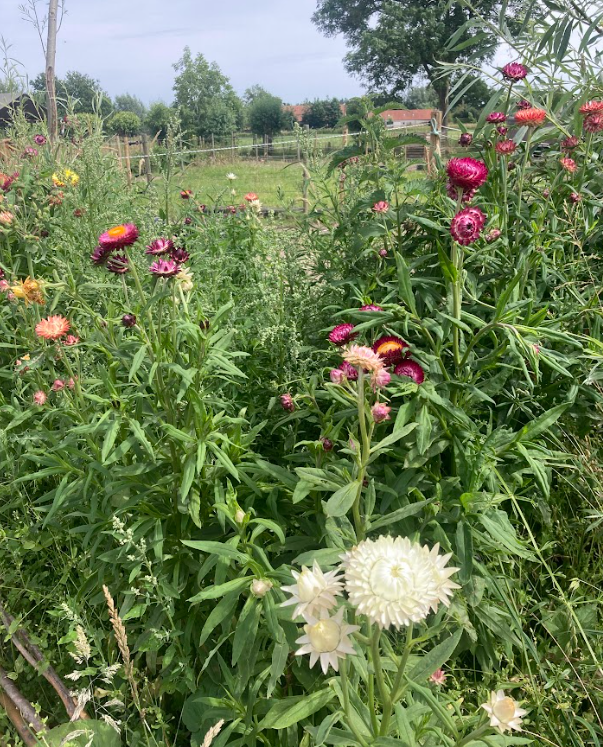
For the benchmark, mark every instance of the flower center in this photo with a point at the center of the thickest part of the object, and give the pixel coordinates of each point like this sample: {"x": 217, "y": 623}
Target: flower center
{"x": 389, "y": 347}
{"x": 324, "y": 636}
{"x": 390, "y": 580}
{"x": 504, "y": 710}
{"x": 117, "y": 231}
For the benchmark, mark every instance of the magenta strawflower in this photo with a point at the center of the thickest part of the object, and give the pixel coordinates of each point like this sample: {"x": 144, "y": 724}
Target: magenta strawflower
{"x": 165, "y": 268}
{"x": 411, "y": 369}
{"x": 287, "y": 402}
{"x": 502, "y": 131}
{"x": 159, "y": 246}
{"x": 380, "y": 412}
{"x": 569, "y": 143}
{"x": 467, "y": 224}
{"x": 390, "y": 349}
{"x": 180, "y": 255}
{"x": 496, "y": 117}
{"x": 350, "y": 372}
{"x": 370, "y": 307}
{"x": 568, "y": 164}
{"x": 466, "y": 139}
{"x": 505, "y": 147}
{"x": 337, "y": 376}
{"x": 514, "y": 71}
{"x": 593, "y": 123}
{"x": 453, "y": 192}
{"x": 494, "y": 234}
{"x": 39, "y": 140}
{"x": 342, "y": 334}
{"x": 381, "y": 207}
{"x": 100, "y": 255}
{"x": 118, "y": 264}
{"x": 128, "y": 320}
{"x": 119, "y": 236}
{"x": 467, "y": 173}
{"x": 380, "y": 379}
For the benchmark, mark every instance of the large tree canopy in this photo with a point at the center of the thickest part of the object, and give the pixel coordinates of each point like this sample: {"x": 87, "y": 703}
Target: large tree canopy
{"x": 392, "y": 42}
{"x": 79, "y": 91}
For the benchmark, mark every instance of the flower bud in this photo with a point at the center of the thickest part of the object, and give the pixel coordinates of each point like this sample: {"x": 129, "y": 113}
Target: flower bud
{"x": 287, "y": 402}
{"x": 57, "y": 385}
{"x": 240, "y": 516}
{"x": 260, "y": 587}
{"x": 380, "y": 412}
{"x": 128, "y": 320}
{"x": 383, "y": 253}
{"x": 327, "y": 444}
{"x": 337, "y": 375}
{"x": 466, "y": 139}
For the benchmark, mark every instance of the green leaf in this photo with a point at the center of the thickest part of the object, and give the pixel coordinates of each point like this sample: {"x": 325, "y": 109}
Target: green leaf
{"x": 405, "y": 283}
{"x": 498, "y": 526}
{"x": 436, "y": 658}
{"x": 342, "y": 501}
{"x": 215, "y": 592}
{"x": 400, "y": 514}
{"x": 246, "y": 629}
{"x": 141, "y": 436}
{"x": 280, "y": 654}
{"x": 109, "y": 439}
{"x": 542, "y": 423}
{"x": 217, "y": 548}
{"x": 222, "y": 611}
{"x": 104, "y": 735}
{"x": 137, "y": 361}
{"x": 188, "y": 475}
{"x": 289, "y": 711}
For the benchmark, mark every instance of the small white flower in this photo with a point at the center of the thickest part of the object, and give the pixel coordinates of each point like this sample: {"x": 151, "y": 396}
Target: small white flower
{"x": 240, "y": 516}
{"x": 504, "y": 712}
{"x": 394, "y": 581}
{"x": 233, "y": 192}
{"x": 231, "y": 177}
{"x": 185, "y": 279}
{"x": 314, "y": 591}
{"x": 327, "y": 639}
{"x": 260, "y": 587}
{"x": 255, "y": 205}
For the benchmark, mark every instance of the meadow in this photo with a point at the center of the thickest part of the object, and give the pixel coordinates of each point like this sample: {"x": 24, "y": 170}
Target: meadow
{"x": 309, "y": 479}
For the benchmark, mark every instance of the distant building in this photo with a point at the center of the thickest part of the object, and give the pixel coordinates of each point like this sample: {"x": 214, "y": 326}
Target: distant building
{"x": 298, "y": 110}
{"x": 13, "y": 102}
{"x": 394, "y": 118}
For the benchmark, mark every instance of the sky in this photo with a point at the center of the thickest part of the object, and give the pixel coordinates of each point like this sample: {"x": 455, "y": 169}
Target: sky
{"x": 130, "y": 45}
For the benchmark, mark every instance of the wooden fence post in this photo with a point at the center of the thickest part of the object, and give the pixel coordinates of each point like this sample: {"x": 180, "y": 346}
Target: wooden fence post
{"x": 213, "y": 147}
{"x": 127, "y": 155}
{"x": 346, "y": 132}
{"x": 147, "y": 158}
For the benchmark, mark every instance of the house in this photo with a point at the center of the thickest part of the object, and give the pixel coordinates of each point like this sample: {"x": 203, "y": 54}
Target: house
{"x": 12, "y": 102}
{"x": 395, "y": 119}
{"x": 298, "y": 110}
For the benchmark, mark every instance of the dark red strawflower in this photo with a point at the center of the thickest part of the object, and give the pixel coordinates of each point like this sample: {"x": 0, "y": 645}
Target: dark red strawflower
{"x": 411, "y": 369}
{"x": 467, "y": 224}
{"x": 165, "y": 268}
{"x": 391, "y": 349}
{"x": 128, "y": 320}
{"x": 502, "y": 131}
{"x": 496, "y": 117}
{"x": 287, "y": 402}
{"x": 118, "y": 264}
{"x": 466, "y": 139}
{"x": 575, "y": 197}
{"x": 569, "y": 143}
{"x": 204, "y": 325}
{"x": 506, "y": 147}
{"x": 159, "y": 246}
{"x": 591, "y": 107}
{"x": 593, "y": 123}
{"x": 524, "y": 104}
{"x": 188, "y": 220}
{"x": 342, "y": 334}
{"x": 514, "y": 71}
{"x": 186, "y": 194}
{"x": 511, "y": 166}
{"x": 180, "y": 255}
{"x": 100, "y": 255}
{"x": 370, "y": 307}
{"x": 78, "y": 212}
{"x": 546, "y": 193}
{"x": 327, "y": 444}
{"x": 467, "y": 173}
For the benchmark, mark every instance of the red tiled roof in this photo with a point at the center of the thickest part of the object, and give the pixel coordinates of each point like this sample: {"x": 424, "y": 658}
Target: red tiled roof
{"x": 407, "y": 115}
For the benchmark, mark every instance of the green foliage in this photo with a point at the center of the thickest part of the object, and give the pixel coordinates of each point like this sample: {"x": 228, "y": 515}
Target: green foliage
{"x": 128, "y": 103}
{"x": 266, "y": 116}
{"x": 78, "y": 93}
{"x": 322, "y": 113}
{"x": 206, "y": 102}
{"x": 158, "y": 119}
{"x": 124, "y": 123}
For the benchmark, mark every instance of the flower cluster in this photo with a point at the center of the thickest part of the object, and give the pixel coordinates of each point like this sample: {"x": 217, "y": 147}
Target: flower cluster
{"x": 593, "y": 116}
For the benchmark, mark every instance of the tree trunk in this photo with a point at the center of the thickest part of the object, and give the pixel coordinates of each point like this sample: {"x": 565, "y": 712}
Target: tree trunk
{"x": 443, "y": 91}
{"x": 51, "y": 53}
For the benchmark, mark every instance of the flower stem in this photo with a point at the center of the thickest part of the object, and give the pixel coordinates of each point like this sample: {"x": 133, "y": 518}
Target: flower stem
{"x": 472, "y": 735}
{"x": 396, "y": 690}
{"x": 346, "y": 703}
{"x": 364, "y": 457}
{"x": 456, "y": 257}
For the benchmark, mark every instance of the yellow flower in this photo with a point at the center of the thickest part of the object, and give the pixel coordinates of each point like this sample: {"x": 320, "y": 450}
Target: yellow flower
{"x": 65, "y": 177}
{"x": 28, "y": 290}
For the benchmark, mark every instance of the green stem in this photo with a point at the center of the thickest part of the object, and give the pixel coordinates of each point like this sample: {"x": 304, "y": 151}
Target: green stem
{"x": 365, "y": 449}
{"x": 376, "y": 656}
{"x": 457, "y": 292}
{"x": 473, "y": 735}
{"x": 524, "y": 164}
{"x": 346, "y": 703}
{"x": 396, "y": 689}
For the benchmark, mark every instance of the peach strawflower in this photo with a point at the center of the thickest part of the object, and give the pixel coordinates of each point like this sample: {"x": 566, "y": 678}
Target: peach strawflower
{"x": 53, "y": 327}
{"x": 40, "y": 397}
{"x": 362, "y": 357}
{"x": 531, "y": 117}
{"x": 6, "y": 218}
{"x": 568, "y": 164}
{"x": 251, "y": 197}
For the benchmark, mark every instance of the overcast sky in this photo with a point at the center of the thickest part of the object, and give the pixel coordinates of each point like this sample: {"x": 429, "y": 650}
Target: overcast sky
{"x": 130, "y": 45}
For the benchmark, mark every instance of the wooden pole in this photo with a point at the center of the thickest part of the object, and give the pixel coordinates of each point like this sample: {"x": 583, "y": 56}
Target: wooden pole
{"x": 147, "y": 158}
{"x": 51, "y": 53}
{"x": 435, "y": 138}
{"x": 119, "y": 153}
{"x": 346, "y": 132}
{"x": 213, "y": 147}
{"x": 128, "y": 167}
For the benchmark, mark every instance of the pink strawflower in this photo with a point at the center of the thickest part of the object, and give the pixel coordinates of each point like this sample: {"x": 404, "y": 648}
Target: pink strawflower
{"x": 370, "y": 307}
{"x": 118, "y": 264}
{"x": 568, "y": 164}
{"x": 29, "y": 152}
{"x": 71, "y": 383}
{"x": 531, "y": 117}
{"x": 57, "y": 385}
{"x": 159, "y": 246}
{"x": 71, "y": 340}
{"x": 411, "y": 369}
{"x": 502, "y": 130}
{"x": 342, "y": 334}
{"x": 591, "y": 107}
{"x": 337, "y": 376}
{"x": 287, "y": 402}
{"x": 391, "y": 349}
{"x": 467, "y": 224}
{"x": 494, "y": 234}
{"x": 362, "y": 357}
{"x": 466, "y": 139}
{"x": 380, "y": 412}
{"x": 438, "y": 677}
{"x": 40, "y": 140}
{"x": 165, "y": 268}
{"x": 593, "y": 123}
{"x": 40, "y": 397}
{"x": 576, "y": 197}
{"x": 467, "y": 173}
{"x": 251, "y": 197}
{"x": 383, "y": 252}
{"x": 119, "y": 236}
{"x": 496, "y": 117}
{"x": 186, "y": 194}
{"x": 381, "y": 207}
{"x": 506, "y": 147}
{"x": 180, "y": 255}
{"x": 380, "y": 379}
{"x": 514, "y": 71}
{"x": 53, "y": 327}
{"x": 4, "y": 286}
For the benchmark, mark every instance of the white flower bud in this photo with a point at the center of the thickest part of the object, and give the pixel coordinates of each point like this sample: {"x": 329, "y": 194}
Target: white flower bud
{"x": 240, "y": 516}
{"x": 260, "y": 587}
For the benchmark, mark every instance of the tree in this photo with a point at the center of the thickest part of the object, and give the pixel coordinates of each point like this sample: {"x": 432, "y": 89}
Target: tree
{"x": 205, "y": 100}
{"x": 158, "y": 118}
{"x": 394, "y": 41}
{"x": 322, "y": 113}
{"x": 124, "y": 123}
{"x": 79, "y": 91}
{"x": 128, "y": 103}
{"x": 266, "y": 116}
{"x": 470, "y": 105}
{"x": 254, "y": 92}
{"x": 421, "y": 97}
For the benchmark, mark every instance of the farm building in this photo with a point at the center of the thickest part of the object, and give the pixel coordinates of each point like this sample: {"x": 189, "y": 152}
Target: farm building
{"x": 394, "y": 118}
{"x": 12, "y": 102}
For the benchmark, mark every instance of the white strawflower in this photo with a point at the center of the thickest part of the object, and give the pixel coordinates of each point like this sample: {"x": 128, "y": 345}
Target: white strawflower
{"x": 240, "y": 516}
{"x": 504, "y": 712}
{"x": 327, "y": 639}
{"x": 185, "y": 279}
{"x": 255, "y": 205}
{"x": 231, "y": 177}
{"x": 394, "y": 581}
{"x": 314, "y": 591}
{"x": 260, "y": 587}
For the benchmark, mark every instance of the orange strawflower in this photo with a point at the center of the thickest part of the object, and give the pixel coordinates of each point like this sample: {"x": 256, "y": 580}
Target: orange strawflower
{"x": 53, "y": 327}
{"x": 591, "y": 107}
{"x": 531, "y": 117}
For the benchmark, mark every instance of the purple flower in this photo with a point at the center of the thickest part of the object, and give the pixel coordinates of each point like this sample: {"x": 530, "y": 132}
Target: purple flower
{"x": 160, "y": 246}
{"x": 496, "y": 117}
{"x": 466, "y": 139}
{"x": 180, "y": 255}
{"x": 514, "y": 71}
{"x": 40, "y": 140}
{"x": 411, "y": 369}
{"x": 287, "y": 402}
{"x": 128, "y": 320}
{"x": 342, "y": 334}
{"x": 99, "y": 255}
{"x": 118, "y": 264}
{"x": 165, "y": 268}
